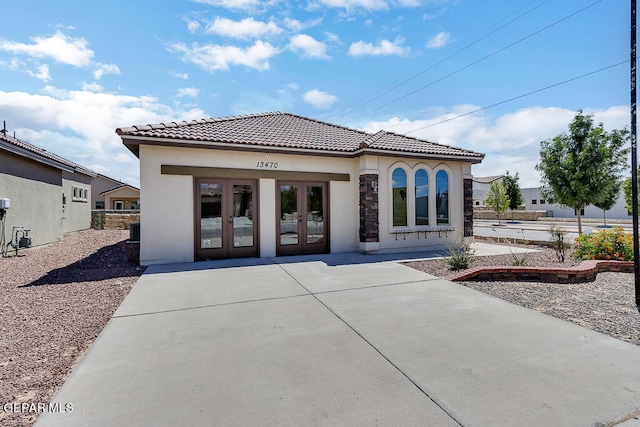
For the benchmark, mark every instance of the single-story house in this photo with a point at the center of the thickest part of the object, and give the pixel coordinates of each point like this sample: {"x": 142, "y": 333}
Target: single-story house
{"x": 272, "y": 184}
{"x": 111, "y": 194}
{"x": 48, "y": 195}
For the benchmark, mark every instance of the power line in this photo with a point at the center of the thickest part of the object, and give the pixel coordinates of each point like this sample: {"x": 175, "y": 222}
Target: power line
{"x": 380, "y": 93}
{"x": 519, "y": 96}
{"x": 480, "y": 60}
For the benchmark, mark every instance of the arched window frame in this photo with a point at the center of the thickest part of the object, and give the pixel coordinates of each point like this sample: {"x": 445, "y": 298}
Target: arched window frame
{"x": 420, "y": 217}
{"x": 392, "y": 195}
{"x": 442, "y": 220}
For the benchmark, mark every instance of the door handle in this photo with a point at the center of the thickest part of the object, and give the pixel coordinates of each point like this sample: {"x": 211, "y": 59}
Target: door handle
{"x": 230, "y": 219}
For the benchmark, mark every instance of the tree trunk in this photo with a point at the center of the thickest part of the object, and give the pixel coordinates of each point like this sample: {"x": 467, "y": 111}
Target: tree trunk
{"x": 579, "y": 222}
{"x": 604, "y": 215}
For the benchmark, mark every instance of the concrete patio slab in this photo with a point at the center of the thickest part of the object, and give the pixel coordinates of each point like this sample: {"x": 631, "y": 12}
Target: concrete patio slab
{"x": 280, "y": 362}
{"x": 179, "y": 290}
{"x": 341, "y": 341}
{"x": 491, "y": 363}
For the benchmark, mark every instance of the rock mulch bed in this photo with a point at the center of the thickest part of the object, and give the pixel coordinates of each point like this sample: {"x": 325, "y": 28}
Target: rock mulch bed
{"x": 606, "y": 305}
{"x": 55, "y": 301}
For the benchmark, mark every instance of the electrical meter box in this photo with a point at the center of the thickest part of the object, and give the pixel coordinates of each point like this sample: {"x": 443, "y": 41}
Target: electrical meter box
{"x": 4, "y": 203}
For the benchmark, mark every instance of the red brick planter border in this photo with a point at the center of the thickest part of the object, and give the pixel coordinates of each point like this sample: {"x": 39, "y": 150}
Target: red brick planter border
{"x": 585, "y": 272}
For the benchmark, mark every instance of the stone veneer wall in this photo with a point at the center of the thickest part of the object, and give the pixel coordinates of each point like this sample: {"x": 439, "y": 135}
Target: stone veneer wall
{"x": 369, "y": 218}
{"x": 113, "y": 221}
{"x": 468, "y": 208}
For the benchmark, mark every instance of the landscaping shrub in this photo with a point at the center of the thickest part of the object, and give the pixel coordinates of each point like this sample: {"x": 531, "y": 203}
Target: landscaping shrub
{"x": 459, "y": 255}
{"x": 612, "y": 244}
{"x": 558, "y": 235}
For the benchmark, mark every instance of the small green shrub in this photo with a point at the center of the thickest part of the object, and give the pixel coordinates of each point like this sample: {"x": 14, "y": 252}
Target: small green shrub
{"x": 459, "y": 256}
{"x": 612, "y": 244}
{"x": 558, "y": 235}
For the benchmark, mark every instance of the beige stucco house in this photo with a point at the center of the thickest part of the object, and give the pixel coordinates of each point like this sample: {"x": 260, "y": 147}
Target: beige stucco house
{"x": 49, "y": 195}
{"x": 275, "y": 184}
{"x": 111, "y": 194}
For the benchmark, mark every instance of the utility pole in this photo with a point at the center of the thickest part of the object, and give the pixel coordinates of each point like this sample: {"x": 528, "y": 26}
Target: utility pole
{"x": 634, "y": 157}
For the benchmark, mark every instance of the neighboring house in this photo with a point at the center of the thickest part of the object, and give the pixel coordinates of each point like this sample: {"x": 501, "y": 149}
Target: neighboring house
{"x": 48, "y": 194}
{"x": 276, "y": 184}
{"x": 111, "y": 194}
{"x": 534, "y": 201}
{"x": 481, "y": 187}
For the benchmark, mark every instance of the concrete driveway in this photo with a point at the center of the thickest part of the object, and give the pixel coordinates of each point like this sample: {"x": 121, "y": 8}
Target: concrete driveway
{"x": 340, "y": 340}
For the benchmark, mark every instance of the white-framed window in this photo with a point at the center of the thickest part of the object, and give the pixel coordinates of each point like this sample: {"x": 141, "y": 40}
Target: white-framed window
{"x": 418, "y": 196}
{"x": 421, "y": 182}
{"x": 442, "y": 197}
{"x": 80, "y": 194}
{"x": 118, "y": 205}
{"x": 399, "y": 197}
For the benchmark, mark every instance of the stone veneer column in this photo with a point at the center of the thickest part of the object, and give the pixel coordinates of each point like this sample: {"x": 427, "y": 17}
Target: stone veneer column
{"x": 369, "y": 219}
{"x": 468, "y": 208}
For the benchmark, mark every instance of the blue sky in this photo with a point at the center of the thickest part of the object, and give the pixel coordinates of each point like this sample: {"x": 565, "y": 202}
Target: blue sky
{"x": 72, "y": 72}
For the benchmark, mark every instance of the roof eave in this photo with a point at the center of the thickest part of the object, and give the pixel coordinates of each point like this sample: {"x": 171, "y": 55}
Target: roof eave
{"x": 35, "y": 157}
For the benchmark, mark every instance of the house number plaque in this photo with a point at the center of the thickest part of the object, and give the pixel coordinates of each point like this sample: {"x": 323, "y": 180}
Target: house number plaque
{"x": 267, "y": 165}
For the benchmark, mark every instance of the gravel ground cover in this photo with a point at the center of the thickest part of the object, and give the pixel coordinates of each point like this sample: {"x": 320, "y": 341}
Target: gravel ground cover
{"x": 606, "y": 305}
{"x": 55, "y": 301}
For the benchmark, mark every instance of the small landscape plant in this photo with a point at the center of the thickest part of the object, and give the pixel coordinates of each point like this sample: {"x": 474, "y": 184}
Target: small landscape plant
{"x": 558, "y": 243}
{"x": 460, "y": 255}
{"x": 612, "y": 244}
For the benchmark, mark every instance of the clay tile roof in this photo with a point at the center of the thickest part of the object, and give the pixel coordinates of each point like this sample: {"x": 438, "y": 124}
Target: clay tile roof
{"x": 21, "y": 147}
{"x": 287, "y": 131}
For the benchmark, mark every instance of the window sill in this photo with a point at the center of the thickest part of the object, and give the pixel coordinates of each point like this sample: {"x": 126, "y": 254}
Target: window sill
{"x": 423, "y": 229}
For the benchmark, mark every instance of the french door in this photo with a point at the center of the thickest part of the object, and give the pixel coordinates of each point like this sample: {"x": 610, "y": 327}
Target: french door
{"x": 302, "y": 222}
{"x": 226, "y": 219}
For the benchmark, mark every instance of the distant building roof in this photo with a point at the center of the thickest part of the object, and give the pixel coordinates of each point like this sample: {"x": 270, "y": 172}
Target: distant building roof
{"x": 288, "y": 133}
{"x": 25, "y": 149}
{"x": 487, "y": 179}
{"x": 120, "y": 187}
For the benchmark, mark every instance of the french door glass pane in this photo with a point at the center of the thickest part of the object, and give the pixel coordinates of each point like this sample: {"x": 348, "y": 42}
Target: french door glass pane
{"x": 210, "y": 215}
{"x": 242, "y": 216}
{"x": 315, "y": 215}
{"x": 288, "y": 215}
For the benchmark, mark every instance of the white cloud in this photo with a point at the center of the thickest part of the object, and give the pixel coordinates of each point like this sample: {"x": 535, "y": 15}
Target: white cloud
{"x": 356, "y": 4}
{"x": 80, "y": 125}
{"x": 296, "y": 26}
{"x": 308, "y": 47}
{"x": 243, "y": 5}
{"x": 188, "y": 91}
{"x": 42, "y": 74}
{"x": 193, "y": 26}
{"x": 216, "y": 57}
{"x": 511, "y": 141}
{"x": 102, "y": 69}
{"x": 92, "y": 87}
{"x": 183, "y": 76}
{"x": 439, "y": 40}
{"x": 247, "y": 28}
{"x": 59, "y": 47}
{"x": 319, "y": 99}
{"x": 384, "y": 47}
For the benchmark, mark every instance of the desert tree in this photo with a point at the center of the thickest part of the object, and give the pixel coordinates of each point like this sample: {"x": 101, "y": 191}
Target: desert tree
{"x": 514, "y": 192}
{"x": 572, "y": 165}
{"x": 497, "y": 199}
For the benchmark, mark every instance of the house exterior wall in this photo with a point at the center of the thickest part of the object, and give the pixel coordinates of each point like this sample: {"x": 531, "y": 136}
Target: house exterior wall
{"x": 127, "y": 195}
{"x": 168, "y": 205}
{"x": 98, "y": 185}
{"x": 167, "y": 201}
{"x": 35, "y": 193}
{"x": 76, "y": 213}
{"x": 427, "y": 237}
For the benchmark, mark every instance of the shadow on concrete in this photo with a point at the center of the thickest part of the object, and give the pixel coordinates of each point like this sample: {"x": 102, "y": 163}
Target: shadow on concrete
{"x": 107, "y": 263}
{"x": 347, "y": 258}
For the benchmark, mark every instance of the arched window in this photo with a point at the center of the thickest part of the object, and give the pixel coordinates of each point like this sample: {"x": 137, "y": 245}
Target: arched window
{"x": 442, "y": 197}
{"x": 399, "y": 185}
{"x": 422, "y": 197}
